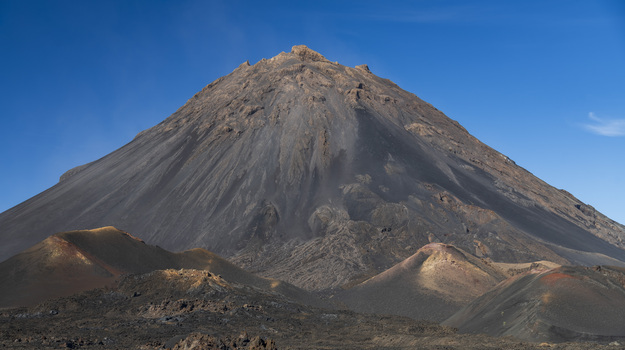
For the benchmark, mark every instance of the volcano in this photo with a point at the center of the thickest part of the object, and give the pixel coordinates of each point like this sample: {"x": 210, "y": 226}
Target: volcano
{"x": 322, "y": 175}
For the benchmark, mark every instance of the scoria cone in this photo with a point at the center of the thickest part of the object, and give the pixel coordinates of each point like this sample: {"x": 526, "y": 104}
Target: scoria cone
{"x": 318, "y": 174}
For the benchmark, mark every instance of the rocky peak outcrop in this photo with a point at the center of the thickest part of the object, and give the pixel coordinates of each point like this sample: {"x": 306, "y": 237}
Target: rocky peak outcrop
{"x": 306, "y": 54}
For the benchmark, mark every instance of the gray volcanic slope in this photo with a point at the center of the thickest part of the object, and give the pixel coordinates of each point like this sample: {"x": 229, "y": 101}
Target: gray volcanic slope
{"x": 318, "y": 174}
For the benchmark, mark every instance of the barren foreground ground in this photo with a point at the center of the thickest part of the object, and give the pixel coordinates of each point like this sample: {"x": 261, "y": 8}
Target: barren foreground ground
{"x": 193, "y": 309}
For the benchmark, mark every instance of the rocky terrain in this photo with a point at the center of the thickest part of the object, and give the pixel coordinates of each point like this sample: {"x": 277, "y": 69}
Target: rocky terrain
{"x": 117, "y": 291}
{"x": 194, "y": 309}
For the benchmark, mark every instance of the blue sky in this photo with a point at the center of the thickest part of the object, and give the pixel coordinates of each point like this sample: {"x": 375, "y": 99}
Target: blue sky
{"x": 541, "y": 81}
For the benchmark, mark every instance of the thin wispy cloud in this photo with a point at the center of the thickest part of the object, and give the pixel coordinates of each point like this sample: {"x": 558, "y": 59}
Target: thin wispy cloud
{"x": 605, "y": 127}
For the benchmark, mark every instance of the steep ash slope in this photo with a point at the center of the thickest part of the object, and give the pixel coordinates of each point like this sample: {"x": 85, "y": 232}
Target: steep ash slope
{"x": 316, "y": 173}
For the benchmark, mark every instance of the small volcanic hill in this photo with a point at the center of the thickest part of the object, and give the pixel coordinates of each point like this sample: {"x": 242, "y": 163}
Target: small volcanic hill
{"x": 433, "y": 284}
{"x": 318, "y": 174}
{"x": 562, "y": 304}
{"x": 70, "y": 262}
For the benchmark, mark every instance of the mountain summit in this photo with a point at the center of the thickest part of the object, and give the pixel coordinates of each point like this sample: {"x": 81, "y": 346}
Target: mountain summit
{"x": 318, "y": 174}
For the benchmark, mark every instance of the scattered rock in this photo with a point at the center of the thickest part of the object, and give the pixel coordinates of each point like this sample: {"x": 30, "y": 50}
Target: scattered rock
{"x": 364, "y": 67}
{"x": 306, "y": 54}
